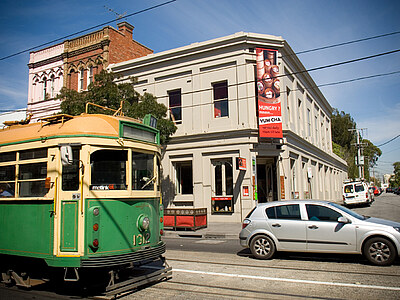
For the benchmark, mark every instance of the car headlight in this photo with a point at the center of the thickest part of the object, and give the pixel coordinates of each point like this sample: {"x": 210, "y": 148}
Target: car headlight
{"x": 397, "y": 228}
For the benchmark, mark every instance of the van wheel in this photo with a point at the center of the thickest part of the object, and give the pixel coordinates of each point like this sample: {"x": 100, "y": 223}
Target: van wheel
{"x": 262, "y": 247}
{"x": 380, "y": 251}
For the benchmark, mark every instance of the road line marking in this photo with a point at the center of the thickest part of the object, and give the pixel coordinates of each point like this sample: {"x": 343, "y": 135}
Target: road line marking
{"x": 342, "y": 284}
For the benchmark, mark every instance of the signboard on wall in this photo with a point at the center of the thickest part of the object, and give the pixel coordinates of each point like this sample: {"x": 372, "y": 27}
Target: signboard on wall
{"x": 268, "y": 94}
{"x": 241, "y": 163}
{"x": 282, "y": 187}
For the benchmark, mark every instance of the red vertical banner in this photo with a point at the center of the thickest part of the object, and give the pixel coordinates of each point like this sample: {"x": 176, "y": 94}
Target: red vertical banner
{"x": 268, "y": 87}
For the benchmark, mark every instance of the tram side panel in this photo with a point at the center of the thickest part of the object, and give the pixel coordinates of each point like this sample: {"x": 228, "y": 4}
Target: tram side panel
{"x": 26, "y": 228}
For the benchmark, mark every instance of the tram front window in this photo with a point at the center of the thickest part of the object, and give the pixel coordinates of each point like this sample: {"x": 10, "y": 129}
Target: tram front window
{"x": 142, "y": 171}
{"x": 108, "y": 168}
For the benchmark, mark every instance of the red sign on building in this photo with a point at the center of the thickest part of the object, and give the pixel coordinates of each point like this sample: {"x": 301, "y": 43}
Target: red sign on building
{"x": 268, "y": 87}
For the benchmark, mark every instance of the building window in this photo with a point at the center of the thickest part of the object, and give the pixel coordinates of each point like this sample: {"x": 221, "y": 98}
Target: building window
{"x": 308, "y": 122}
{"x": 184, "y": 178}
{"x": 44, "y": 88}
{"x": 81, "y": 75}
{"x": 52, "y": 86}
{"x": 288, "y": 102}
{"x": 316, "y": 131}
{"x": 223, "y": 175}
{"x": 175, "y": 106}
{"x": 222, "y": 198}
{"x": 90, "y": 75}
{"x": 220, "y": 92}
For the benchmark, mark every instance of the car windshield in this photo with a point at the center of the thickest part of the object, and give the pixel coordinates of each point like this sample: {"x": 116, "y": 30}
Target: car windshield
{"x": 348, "y": 211}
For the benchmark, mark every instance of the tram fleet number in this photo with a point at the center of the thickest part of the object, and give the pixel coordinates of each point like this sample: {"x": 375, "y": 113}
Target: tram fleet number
{"x": 141, "y": 239}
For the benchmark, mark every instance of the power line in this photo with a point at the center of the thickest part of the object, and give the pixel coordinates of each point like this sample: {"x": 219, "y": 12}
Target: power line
{"x": 52, "y": 107}
{"x": 343, "y": 62}
{"x": 389, "y": 141}
{"x": 84, "y": 30}
{"x": 344, "y": 43}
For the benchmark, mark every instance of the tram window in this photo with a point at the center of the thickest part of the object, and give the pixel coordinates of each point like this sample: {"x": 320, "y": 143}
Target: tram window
{"x": 33, "y": 171}
{"x": 31, "y": 180}
{"x": 142, "y": 171}
{"x": 7, "y": 181}
{"x": 70, "y": 173}
{"x": 33, "y": 153}
{"x": 8, "y": 156}
{"x": 108, "y": 168}
{"x": 7, "y": 173}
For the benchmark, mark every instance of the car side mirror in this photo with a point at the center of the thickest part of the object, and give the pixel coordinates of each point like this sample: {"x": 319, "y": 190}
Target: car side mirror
{"x": 343, "y": 220}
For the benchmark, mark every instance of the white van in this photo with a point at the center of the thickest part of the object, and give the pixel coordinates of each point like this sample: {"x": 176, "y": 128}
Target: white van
{"x": 356, "y": 192}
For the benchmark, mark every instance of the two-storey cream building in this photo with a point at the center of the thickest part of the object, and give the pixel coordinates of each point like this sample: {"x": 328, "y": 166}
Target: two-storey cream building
{"x": 217, "y": 159}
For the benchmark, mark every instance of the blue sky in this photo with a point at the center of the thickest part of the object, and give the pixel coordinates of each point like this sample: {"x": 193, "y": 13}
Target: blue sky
{"x": 373, "y": 103}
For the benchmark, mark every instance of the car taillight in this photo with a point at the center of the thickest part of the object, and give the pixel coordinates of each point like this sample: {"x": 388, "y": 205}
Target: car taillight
{"x": 245, "y": 223}
{"x": 96, "y": 243}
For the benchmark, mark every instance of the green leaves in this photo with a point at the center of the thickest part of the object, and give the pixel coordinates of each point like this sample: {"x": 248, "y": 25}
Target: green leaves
{"x": 344, "y": 144}
{"x": 106, "y": 92}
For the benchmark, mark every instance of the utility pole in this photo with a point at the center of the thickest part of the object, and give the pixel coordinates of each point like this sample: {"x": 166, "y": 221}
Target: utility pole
{"x": 360, "y": 158}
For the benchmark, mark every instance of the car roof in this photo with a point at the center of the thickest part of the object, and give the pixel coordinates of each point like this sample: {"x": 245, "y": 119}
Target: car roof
{"x": 286, "y": 202}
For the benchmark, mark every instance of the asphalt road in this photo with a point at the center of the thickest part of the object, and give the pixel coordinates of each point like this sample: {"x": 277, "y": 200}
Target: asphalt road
{"x": 221, "y": 268}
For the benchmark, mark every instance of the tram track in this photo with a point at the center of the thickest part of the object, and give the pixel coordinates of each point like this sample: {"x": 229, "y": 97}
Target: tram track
{"x": 203, "y": 290}
{"x": 284, "y": 268}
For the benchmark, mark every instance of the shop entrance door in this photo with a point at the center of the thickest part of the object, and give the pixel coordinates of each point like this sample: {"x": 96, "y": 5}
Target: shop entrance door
{"x": 267, "y": 180}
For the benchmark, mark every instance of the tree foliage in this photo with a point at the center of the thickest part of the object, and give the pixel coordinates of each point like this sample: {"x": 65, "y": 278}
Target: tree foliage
{"x": 341, "y": 123}
{"x": 344, "y": 144}
{"x": 106, "y": 92}
{"x": 395, "y": 179}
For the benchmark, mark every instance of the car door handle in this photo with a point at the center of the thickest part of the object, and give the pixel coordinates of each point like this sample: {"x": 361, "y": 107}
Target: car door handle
{"x": 276, "y": 225}
{"x": 313, "y": 227}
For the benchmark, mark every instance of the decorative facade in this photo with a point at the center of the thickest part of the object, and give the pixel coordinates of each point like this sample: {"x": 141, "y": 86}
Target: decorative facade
{"x": 218, "y": 159}
{"x": 74, "y": 63}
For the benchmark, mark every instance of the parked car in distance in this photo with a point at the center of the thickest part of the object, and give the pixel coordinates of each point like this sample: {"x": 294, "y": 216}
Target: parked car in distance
{"x": 356, "y": 193}
{"x": 375, "y": 190}
{"x": 318, "y": 227}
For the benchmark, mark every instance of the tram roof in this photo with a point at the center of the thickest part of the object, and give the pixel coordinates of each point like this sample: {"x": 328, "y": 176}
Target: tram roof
{"x": 56, "y": 126}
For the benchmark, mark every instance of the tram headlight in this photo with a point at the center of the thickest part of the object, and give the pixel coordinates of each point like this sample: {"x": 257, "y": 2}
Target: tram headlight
{"x": 144, "y": 223}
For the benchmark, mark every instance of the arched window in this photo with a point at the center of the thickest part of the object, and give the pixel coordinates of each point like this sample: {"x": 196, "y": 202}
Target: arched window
{"x": 80, "y": 80}
{"x": 90, "y": 75}
{"x": 44, "y": 88}
{"x": 52, "y": 81}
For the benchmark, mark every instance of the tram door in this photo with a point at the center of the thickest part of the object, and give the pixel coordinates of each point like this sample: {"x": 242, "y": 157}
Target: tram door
{"x": 267, "y": 180}
{"x": 70, "y": 203}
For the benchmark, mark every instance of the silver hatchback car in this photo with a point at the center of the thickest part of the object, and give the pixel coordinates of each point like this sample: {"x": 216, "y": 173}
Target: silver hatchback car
{"x": 319, "y": 227}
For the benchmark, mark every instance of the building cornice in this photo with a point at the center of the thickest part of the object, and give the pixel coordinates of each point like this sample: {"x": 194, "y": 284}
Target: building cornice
{"x": 199, "y": 48}
{"x": 46, "y": 61}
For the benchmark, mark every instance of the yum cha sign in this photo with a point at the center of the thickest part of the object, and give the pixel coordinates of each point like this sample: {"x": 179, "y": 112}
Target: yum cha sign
{"x": 268, "y": 87}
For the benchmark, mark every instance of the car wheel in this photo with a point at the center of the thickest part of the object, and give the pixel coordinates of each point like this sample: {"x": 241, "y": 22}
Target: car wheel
{"x": 380, "y": 251}
{"x": 262, "y": 247}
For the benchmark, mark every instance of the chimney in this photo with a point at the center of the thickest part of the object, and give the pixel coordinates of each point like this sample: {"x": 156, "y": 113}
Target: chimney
{"x": 126, "y": 29}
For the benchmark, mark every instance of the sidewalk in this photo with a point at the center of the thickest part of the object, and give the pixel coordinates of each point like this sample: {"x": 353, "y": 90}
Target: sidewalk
{"x": 213, "y": 230}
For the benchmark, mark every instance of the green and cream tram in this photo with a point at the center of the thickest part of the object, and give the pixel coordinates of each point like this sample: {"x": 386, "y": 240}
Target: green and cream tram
{"x": 80, "y": 192}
